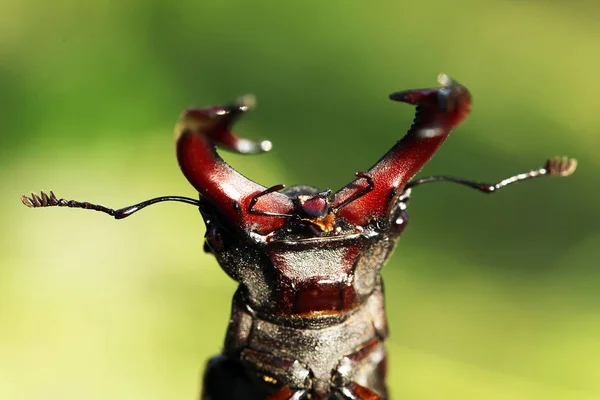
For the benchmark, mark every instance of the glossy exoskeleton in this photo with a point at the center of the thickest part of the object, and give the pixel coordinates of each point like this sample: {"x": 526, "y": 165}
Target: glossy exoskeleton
{"x": 308, "y": 317}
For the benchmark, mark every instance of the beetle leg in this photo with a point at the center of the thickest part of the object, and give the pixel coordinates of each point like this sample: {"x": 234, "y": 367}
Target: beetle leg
{"x": 286, "y": 393}
{"x": 354, "y": 391}
{"x": 226, "y": 378}
{"x": 557, "y": 166}
{"x": 276, "y": 369}
{"x": 359, "y": 366}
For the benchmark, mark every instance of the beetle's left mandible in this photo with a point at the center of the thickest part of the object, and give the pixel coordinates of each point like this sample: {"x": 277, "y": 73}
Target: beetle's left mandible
{"x": 438, "y": 111}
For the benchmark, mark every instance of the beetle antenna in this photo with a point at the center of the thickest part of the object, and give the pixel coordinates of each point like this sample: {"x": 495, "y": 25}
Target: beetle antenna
{"x": 45, "y": 200}
{"x": 557, "y": 166}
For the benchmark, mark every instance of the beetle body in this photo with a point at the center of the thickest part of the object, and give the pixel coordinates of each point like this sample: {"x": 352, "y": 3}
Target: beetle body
{"x": 309, "y": 310}
{"x": 308, "y": 318}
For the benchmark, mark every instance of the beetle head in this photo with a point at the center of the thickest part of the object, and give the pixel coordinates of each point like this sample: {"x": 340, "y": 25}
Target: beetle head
{"x": 372, "y": 198}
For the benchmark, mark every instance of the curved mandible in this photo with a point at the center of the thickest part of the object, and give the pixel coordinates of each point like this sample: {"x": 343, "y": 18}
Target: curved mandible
{"x": 196, "y": 134}
{"x": 439, "y": 110}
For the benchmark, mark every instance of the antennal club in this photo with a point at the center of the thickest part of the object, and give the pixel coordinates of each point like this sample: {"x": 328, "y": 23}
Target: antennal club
{"x": 44, "y": 200}
{"x": 557, "y": 166}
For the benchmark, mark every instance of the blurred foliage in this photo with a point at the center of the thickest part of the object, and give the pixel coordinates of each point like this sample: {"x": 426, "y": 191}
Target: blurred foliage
{"x": 488, "y": 297}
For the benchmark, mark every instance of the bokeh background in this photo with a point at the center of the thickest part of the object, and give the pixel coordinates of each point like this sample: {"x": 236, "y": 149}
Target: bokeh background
{"x": 489, "y": 297}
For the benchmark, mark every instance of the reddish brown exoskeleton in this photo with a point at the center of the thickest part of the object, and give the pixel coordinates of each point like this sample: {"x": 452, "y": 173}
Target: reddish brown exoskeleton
{"x": 308, "y": 318}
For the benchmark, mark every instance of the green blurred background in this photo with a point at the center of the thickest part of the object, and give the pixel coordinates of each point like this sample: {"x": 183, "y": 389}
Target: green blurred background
{"x": 489, "y": 297}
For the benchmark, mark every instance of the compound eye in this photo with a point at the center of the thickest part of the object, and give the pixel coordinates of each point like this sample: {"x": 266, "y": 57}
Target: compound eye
{"x": 213, "y": 239}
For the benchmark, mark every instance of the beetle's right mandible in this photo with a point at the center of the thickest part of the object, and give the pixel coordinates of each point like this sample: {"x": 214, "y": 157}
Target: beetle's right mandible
{"x": 197, "y": 132}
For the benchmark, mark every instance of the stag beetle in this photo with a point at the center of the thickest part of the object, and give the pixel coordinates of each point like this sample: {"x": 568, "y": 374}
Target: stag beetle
{"x": 308, "y": 318}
